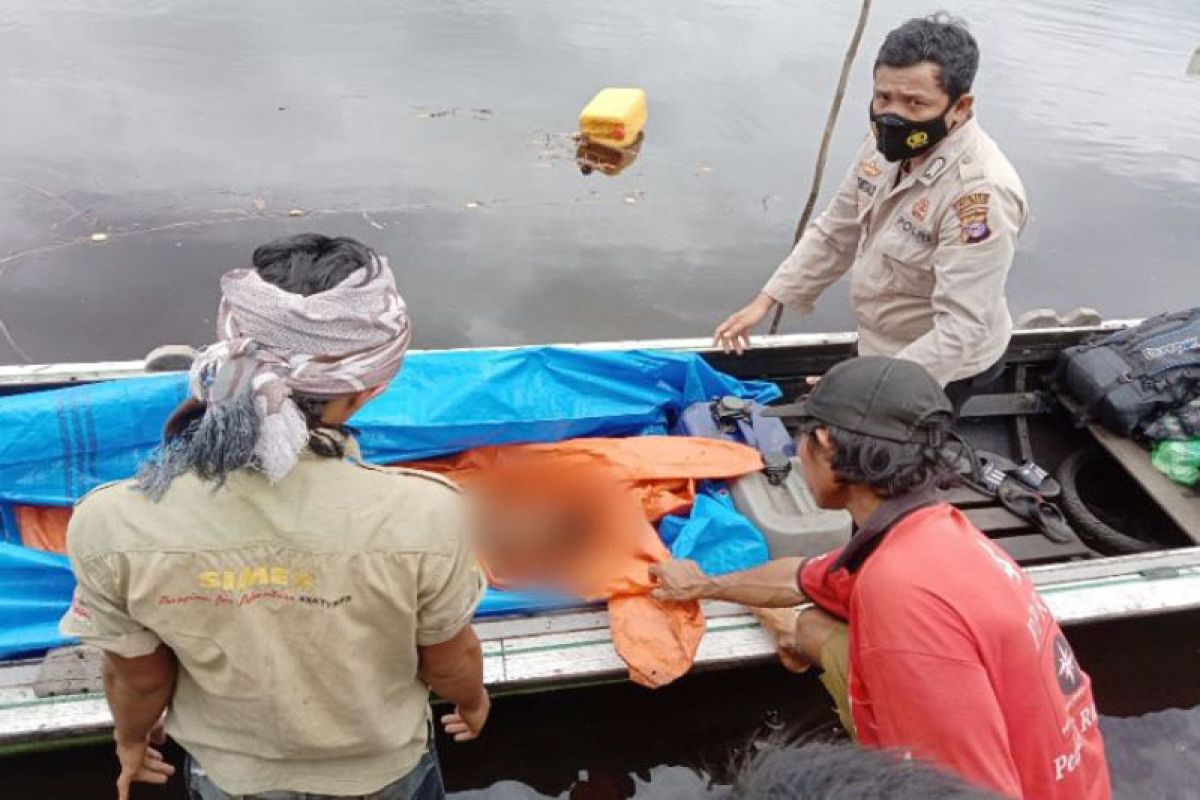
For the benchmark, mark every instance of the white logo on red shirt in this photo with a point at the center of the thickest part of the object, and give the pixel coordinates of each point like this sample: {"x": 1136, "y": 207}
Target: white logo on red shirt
{"x": 1006, "y": 566}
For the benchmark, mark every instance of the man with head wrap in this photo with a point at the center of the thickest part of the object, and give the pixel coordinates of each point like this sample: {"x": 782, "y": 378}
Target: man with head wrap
{"x": 288, "y": 606}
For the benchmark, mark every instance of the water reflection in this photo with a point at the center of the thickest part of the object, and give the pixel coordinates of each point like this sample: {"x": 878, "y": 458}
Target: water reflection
{"x": 610, "y": 161}
{"x": 439, "y": 132}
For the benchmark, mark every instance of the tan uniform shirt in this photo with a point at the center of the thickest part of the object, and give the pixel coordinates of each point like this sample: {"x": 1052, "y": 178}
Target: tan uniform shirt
{"x": 929, "y": 254}
{"x": 295, "y": 612}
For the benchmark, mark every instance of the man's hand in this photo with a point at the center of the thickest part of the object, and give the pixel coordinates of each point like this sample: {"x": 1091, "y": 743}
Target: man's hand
{"x": 467, "y": 722}
{"x": 141, "y": 763}
{"x": 679, "y": 581}
{"x": 733, "y": 335}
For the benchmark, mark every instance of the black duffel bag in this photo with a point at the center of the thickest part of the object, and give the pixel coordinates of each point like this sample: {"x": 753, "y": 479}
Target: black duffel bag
{"x": 1128, "y": 379}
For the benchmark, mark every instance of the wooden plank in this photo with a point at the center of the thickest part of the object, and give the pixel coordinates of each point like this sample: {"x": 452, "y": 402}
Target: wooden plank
{"x": 965, "y": 497}
{"x": 996, "y": 520}
{"x": 1036, "y": 547}
{"x": 1004, "y": 405}
{"x": 1180, "y": 503}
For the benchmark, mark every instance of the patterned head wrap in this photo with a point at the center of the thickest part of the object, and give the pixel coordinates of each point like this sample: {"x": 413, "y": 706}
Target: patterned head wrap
{"x": 273, "y": 343}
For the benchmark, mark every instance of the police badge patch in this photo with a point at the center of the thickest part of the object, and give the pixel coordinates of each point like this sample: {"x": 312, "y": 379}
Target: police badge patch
{"x": 972, "y": 217}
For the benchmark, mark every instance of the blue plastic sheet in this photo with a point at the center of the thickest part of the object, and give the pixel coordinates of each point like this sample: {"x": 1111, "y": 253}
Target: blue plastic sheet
{"x": 35, "y": 591}
{"x": 56, "y": 446}
{"x": 715, "y": 534}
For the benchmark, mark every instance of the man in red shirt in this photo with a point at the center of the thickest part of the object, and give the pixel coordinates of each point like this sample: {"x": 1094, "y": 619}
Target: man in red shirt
{"x": 953, "y": 656}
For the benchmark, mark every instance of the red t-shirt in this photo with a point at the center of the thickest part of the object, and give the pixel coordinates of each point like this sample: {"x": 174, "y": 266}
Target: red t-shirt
{"x": 954, "y": 658}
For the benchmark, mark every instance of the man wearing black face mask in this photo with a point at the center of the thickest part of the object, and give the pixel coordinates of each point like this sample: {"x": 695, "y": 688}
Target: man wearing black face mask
{"x": 926, "y": 221}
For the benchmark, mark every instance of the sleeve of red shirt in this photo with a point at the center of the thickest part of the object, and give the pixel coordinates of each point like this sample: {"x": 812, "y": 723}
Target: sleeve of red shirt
{"x": 942, "y": 710}
{"x": 828, "y": 589}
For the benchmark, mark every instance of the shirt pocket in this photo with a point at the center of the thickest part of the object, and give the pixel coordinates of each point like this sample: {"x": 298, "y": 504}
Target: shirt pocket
{"x": 909, "y": 267}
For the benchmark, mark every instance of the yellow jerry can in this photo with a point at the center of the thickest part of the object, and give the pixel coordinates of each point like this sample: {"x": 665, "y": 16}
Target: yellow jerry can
{"x": 614, "y": 118}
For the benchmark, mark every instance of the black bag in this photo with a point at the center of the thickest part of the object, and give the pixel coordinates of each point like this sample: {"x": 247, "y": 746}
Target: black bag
{"x": 1130, "y": 378}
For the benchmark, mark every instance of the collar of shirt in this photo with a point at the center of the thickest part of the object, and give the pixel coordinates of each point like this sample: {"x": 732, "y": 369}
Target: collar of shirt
{"x": 948, "y": 152}
{"x": 887, "y": 516}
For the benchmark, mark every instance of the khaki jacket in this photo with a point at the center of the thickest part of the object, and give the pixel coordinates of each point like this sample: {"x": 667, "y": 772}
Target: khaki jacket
{"x": 928, "y": 254}
{"x": 295, "y": 610}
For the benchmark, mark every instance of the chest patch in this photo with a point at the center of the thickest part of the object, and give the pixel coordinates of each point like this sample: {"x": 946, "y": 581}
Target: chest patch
{"x": 920, "y": 209}
{"x": 912, "y": 229}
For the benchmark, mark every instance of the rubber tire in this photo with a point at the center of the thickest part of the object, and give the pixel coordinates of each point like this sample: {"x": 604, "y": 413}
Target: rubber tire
{"x": 1095, "y": 532}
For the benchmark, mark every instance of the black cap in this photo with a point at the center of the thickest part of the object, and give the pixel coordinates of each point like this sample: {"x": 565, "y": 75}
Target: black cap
{"x": 888, "y": 398}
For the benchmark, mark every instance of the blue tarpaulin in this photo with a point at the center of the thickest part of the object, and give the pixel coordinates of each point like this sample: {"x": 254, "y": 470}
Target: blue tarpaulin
{"x": 35, "y": 591}
{"x": 55, "y": 446}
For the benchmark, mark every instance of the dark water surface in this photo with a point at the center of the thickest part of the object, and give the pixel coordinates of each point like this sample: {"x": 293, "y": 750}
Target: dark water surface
{"x": 617, "y": 741}
{"x": 436, "y": 131}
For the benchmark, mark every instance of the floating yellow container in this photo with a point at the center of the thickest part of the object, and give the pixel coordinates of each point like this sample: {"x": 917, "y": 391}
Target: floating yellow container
{"x": 615, "y": 117}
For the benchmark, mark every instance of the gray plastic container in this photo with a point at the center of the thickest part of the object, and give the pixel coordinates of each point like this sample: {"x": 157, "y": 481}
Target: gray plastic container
{"x": 788, "y": 515}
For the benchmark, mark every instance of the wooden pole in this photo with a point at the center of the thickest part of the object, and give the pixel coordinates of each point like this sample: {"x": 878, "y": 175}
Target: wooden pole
{"x": 834, "y": 109}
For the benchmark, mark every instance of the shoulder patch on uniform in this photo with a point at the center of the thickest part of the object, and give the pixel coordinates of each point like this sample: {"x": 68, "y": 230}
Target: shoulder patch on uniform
{"x": 934, "y": 169}
{"x": 870, "y": 167}
{"x": 972, "y": 212}
{"x": 432, "y": 477}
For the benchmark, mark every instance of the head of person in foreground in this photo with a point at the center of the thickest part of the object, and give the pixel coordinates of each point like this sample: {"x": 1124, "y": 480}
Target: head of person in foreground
{"x": 844, "y": 772}
{"x": 305, "y": 337}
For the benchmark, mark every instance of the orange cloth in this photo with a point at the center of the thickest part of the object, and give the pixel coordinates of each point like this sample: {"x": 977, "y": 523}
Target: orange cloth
{"x": 43, "y": 528}
{"x": 600, "y": 497}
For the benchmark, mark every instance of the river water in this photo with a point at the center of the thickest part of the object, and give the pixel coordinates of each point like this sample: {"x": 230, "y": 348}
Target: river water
{"x": 436, "y": 131}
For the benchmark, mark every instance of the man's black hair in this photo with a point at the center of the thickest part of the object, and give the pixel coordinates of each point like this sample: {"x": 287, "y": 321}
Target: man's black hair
{"x": 939, "y": 39}
{"x": 309, "y": 263}
{"x": 892, "y": 469}
{"x": 305, "y": 264}
{"x": 821, "y": 771}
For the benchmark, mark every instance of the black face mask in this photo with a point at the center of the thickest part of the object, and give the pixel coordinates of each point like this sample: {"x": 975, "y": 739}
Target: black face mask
{"x": 898, "y": 138}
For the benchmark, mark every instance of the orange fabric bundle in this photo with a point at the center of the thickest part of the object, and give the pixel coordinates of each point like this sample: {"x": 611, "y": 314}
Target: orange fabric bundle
{"x": 43, "y": 528}
{"x": 578, "y": 515}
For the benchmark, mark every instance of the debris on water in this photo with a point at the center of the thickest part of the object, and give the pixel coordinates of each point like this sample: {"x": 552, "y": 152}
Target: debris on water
{"x": 1194, "y": 67}
{"x": 99, "y": 237}
{"x": 377, "y": 226}
{"x": 767, "y": 200}
{"x": 703, "y": 169}
{"x": 634, "y": 197}
{"x": 259, "y": 203}
{"x": 481, "y": 114}
{"x": 473, "y": 204}
{"x": 282, "y": 108}
{"x": 297, "y": 212}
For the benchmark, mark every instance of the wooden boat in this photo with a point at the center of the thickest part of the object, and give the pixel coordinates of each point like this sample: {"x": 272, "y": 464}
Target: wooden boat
{"x": 545, "y": 651}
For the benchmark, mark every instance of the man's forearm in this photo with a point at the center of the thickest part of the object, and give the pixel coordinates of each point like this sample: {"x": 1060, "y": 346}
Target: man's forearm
{"x": 454, "y": 670}
{"x": 773, "y": 585}
{"x": 135, "y": 710}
